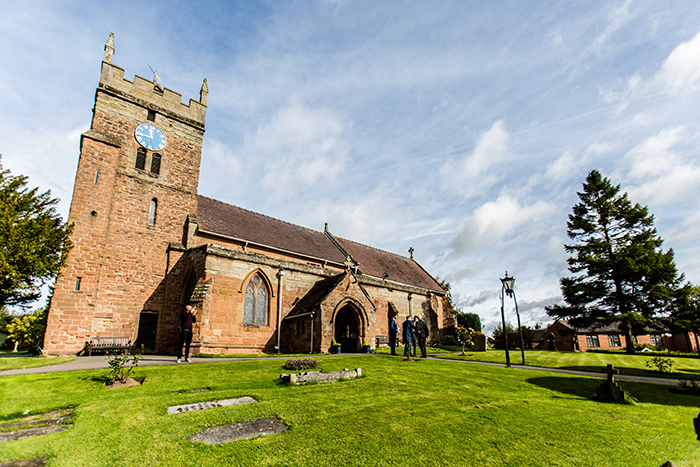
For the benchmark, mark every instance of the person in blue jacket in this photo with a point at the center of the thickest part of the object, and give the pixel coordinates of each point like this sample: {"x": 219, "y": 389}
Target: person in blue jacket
{"x": 407, "y": 336}
{"x": 393, "y": 331}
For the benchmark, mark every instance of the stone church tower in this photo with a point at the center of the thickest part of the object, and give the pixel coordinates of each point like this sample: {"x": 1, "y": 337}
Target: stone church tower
{"x": 135, "y": 186}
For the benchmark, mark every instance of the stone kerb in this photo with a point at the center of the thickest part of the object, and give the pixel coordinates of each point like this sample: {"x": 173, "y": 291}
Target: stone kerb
{"x": 317, "y": 376}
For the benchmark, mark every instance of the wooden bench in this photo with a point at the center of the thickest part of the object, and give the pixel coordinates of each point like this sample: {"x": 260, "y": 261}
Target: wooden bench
{"x": 381, "y": 340}
{"x": 98, "y": 344}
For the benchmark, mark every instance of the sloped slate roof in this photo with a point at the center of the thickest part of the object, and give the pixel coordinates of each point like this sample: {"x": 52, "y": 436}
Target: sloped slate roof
{"x": 315, "y": 295}
{"x": 231, "y": 221}
{"x": 225, "y": 219}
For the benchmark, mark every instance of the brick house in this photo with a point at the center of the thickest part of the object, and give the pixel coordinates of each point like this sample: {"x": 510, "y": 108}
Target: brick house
{"x": 565, "y": 336}
{"x": 147, "y": 244}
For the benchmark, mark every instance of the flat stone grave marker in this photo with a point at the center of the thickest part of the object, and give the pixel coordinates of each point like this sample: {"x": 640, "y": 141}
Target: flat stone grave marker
{"x": 35, "y": 462}
{"x": 36, "y": 425}
{"x": 209, "y": 405}
{"x": 238, "y": 431}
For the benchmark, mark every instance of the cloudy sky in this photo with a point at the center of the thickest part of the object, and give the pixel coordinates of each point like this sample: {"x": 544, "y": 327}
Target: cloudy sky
{"x": 462, "y": 129}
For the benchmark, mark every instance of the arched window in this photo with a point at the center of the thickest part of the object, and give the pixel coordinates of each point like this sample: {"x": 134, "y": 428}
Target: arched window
{"x": 140, "y": 159}
{"x": 255, "y": 305}
{"x": 155, "y": 164}
{"x": 152, "y": 213}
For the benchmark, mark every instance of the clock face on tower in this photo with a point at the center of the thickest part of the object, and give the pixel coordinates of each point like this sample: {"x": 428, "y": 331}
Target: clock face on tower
{"x": 150, "y": 137}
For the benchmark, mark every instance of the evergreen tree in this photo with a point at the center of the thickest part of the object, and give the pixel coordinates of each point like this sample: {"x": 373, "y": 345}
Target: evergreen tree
{"x": 685, "y": 314}
{"x": 619, "y": 270}
{"x": 34, "y": 240}
{"x": 470, "y": 320}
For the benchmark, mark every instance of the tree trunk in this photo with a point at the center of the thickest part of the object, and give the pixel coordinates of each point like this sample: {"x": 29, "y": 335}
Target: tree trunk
{"x": 629, "y": 345}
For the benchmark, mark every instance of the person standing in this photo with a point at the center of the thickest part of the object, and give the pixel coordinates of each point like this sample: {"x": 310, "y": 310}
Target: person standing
{"x": 414, "y": 340}
{"x": 187, "y": 319}
{"x": 407, "y": 336}
{"x": 422, "y": 335}
{"x": 393, "y": 331}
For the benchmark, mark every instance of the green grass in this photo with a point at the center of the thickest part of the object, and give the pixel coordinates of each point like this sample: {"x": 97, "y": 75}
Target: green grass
{"x": 586, "y": 361}
{"x": 16, "y": 363}
{"x": 428, "y": 412}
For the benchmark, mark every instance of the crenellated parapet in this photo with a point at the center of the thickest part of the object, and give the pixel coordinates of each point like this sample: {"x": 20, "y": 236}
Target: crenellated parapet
{"x": 144, "y": 93}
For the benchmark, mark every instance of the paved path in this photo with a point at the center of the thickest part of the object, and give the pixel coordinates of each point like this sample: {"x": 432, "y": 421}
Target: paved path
{"x": 99, "y": 362}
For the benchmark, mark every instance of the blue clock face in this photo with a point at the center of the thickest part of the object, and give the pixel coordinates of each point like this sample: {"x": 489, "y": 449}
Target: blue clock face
{"x": 150, "y": 137}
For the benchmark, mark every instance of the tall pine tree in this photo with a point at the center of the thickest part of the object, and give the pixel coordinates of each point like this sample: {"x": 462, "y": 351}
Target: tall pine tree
{"x": 34, "y": 240}
{"x": 619, "y": 271}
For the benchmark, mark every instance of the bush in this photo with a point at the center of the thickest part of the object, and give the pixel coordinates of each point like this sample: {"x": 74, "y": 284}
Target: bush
{"x": 303, "y": 364}
{"x": 660, "y": 364}
{"x": 690, "y": 383}
{"x": 118, "y": 361}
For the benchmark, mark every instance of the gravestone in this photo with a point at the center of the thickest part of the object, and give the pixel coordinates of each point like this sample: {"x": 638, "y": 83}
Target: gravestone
{"x": 237, "y": 431}
{"x": 609, "y": 391}
{"x": 320, "y": 377}
{"x": 36, "y": 425}
{"x": 209, "y": 405}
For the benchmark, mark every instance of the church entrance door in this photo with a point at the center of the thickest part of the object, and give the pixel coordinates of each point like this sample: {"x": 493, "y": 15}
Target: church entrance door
{"x": 347, "y": 327}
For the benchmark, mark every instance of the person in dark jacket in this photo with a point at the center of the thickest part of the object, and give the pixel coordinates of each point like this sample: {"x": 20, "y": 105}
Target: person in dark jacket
{"x": 187, "y": 319}
{"x": 393, "y": 331}
{"x": 407, "y": 336}
{"x": 421, "y": 335}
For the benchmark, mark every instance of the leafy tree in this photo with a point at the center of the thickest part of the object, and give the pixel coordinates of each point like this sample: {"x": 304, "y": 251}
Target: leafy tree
{"x": 28, "y": 329}
{"x": 685, "y": 313}
{"x": 35, "y": 240}
{"x": 469, "y": 320}
{"x": 619, "y": 271}
{"x": 513, "y": 337}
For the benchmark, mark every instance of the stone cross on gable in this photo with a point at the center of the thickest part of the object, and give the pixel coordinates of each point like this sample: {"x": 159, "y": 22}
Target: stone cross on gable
{"x": 611, "y": 371}
{"x": 410, "y": 251}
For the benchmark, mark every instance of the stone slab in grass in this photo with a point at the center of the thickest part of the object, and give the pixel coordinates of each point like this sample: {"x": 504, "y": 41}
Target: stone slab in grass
{"x": 36, "y": 425}
{"x": 209, "y": 405}
{"x": 320, "y": 377}
{"x": 42, "y": 430}
{"x": 35, "y": 462}
{"x": 238, "y": 431}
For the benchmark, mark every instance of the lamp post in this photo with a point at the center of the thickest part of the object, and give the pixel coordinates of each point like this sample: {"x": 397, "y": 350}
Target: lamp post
{"x": 503, "y": 318}
{"x": 508, "y": 283}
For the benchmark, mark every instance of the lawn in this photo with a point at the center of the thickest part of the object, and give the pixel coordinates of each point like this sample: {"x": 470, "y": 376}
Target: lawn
{"x": 427, "y": 412}
{"x": 15, "y": 363}
{"x": 586, "y": 361}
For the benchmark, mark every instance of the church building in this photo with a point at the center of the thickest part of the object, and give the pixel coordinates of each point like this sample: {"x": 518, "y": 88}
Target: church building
{"x": 146, "y": 244}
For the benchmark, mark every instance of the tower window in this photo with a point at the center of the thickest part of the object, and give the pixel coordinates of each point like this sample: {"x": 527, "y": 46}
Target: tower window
{"x": 77, "y": 283}
{"x": 155, "y": 164}
{"x": 255, "y": 304}
{"x": 152, "y": 212}
{"x": 97, "y": 177}
{"x": 151, "y": 117}
{"x": 141, "y": 159}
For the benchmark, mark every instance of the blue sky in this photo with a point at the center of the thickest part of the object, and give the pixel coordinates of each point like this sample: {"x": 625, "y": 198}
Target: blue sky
{"x": 462, "y": 129}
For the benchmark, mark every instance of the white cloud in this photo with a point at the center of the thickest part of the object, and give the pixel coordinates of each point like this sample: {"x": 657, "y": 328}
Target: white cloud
{"x": 299, "y": 146}
{"x": 471, "y": 175}
{"x": 495, "y": 221}
{"x": 617, "y": 19}
{"x": 681, "y": 70}
{"x": 661, "y": 174}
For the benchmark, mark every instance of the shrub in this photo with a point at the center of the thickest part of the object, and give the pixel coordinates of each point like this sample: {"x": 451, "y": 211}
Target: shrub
{"x": 660, "y": 364}
{"x": 118, "y": 361}
{"x": 303, "y": 364}
{"x": 690, "y": 383}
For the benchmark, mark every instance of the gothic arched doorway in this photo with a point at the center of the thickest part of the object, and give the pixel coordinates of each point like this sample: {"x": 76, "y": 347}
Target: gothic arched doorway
{"x": 347, "y": 329}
